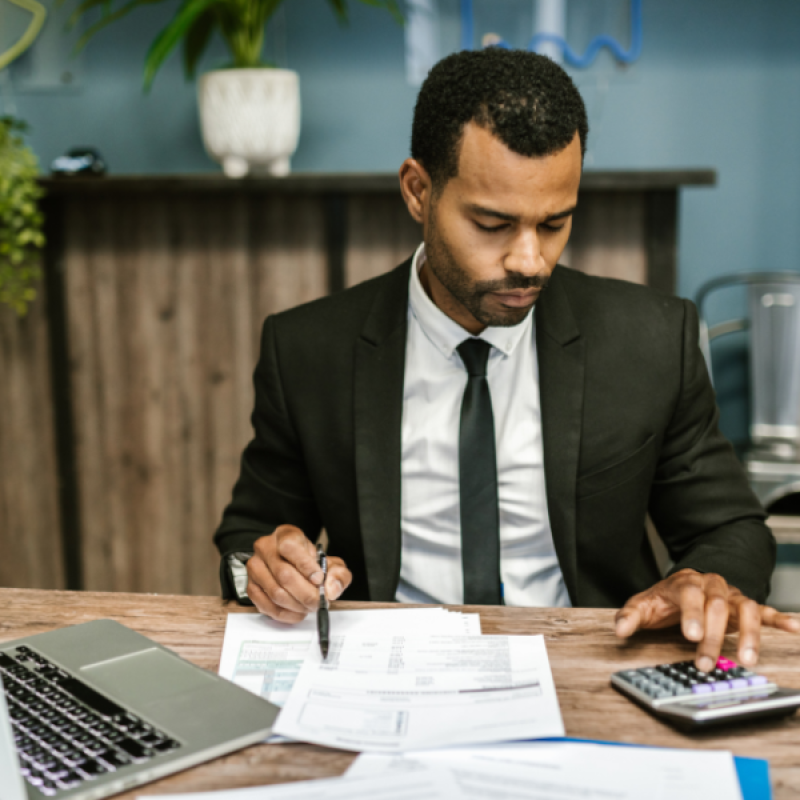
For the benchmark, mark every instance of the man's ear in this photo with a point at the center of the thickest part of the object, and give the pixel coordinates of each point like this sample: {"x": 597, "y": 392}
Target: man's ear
{"x": 416, "y": 188}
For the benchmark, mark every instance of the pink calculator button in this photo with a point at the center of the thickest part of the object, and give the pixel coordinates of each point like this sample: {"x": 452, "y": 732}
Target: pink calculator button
{"x": 725, "y": 663}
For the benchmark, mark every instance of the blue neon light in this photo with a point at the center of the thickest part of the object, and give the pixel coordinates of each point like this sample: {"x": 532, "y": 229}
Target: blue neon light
{"x": 570, "y": 56}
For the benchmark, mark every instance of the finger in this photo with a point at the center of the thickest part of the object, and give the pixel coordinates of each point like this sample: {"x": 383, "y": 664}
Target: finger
{"x": 692, "y": 604}
{"x": 716, "y": 623}
{"x": 259, "y": 574}
{"x": 293, "y": 546}
{"x": 775, "y": 619}
{"x": 339, "y": 578}
{"x": 748, "y": 613}
{"x": 268, "y": 608}
{"x": 293, "y": 582}
{"x": 628, "y": 619}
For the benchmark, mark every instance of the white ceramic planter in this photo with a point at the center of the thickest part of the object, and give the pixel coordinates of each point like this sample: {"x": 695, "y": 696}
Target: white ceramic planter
{"x": 250, "y": 119}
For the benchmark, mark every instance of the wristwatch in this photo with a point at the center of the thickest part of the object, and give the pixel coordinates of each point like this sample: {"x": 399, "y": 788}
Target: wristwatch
{"x": 236, "y": 568}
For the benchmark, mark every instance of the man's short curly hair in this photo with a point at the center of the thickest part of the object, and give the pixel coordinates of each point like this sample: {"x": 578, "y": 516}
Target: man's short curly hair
{"x": 525, "y": 99}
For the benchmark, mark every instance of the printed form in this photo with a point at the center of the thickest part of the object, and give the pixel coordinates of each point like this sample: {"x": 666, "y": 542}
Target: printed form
{"x": 394, "y": 692}
{"x": 264, "y": 656}
{"x": 570, "y": 770}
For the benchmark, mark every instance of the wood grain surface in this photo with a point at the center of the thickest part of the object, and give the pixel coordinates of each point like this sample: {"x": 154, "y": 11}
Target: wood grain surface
{"x": 580, "y": 642}
{"x": 165, "y": 302}
{"x": 30, "y": 532}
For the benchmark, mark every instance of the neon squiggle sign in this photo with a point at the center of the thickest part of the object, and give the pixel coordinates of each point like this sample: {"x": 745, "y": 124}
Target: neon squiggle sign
{"x": 570, "y": 56}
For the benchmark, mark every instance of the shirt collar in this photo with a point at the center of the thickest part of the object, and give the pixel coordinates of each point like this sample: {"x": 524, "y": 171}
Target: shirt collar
{"x": 446, "y": 334}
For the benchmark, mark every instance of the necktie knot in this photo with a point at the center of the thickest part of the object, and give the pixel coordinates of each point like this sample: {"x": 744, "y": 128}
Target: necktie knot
{"x": 475, "y": 355}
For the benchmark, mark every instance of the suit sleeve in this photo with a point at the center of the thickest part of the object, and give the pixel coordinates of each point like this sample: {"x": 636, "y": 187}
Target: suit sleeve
{"x": 701, "y": 502}
{"x": 273, "y": 487}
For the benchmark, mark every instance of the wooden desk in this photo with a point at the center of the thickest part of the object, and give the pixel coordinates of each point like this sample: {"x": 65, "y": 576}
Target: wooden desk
{"x": 583, "y": 653}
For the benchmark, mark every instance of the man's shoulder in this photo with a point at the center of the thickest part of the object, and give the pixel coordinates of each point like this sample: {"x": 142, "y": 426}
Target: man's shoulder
{"x": 594, "y": 298}
{"x": 346, "y": 311}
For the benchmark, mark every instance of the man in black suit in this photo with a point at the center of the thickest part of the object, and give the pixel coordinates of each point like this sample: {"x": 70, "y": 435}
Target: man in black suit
{"x": 457, "y": 446}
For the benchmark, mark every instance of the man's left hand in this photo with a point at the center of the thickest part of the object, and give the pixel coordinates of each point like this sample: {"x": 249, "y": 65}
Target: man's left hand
{"x": 707, "y": 608}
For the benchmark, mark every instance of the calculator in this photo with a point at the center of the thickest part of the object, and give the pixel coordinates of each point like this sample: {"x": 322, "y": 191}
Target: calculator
{"x": 681, "y": 694}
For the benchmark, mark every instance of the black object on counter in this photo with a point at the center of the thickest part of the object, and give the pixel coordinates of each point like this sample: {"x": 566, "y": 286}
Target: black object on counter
{"x": 82, "y": 161}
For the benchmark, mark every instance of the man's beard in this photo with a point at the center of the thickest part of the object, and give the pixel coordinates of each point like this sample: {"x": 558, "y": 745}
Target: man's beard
{"x": 472, "y": 294}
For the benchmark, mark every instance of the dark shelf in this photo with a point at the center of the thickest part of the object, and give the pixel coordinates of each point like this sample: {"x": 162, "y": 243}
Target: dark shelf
{"x": 598, "y": 180}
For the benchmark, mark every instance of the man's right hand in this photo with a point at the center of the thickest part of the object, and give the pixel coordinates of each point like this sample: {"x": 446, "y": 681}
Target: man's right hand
{"x": 283, "y": 575}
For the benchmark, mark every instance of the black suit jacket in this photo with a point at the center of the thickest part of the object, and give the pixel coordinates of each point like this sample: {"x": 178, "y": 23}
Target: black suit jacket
{"x": 629, "y": 424}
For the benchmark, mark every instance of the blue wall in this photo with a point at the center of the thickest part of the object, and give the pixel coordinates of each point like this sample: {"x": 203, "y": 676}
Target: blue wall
{"x": 718, "y": 85}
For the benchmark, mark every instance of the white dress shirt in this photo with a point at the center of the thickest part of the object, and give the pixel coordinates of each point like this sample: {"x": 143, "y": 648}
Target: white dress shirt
{"x": 435, "y": 379}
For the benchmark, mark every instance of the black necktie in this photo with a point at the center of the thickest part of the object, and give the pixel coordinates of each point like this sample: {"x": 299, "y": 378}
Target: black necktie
{"x": 477, "y": 469}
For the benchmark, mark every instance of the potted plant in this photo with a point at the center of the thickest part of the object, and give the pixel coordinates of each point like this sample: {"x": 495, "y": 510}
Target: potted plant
{"x": 21, "y": 220}
{"x": 250, "y": 110}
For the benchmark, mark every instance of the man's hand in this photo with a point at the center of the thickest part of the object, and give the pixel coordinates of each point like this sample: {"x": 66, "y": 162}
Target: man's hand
{"x": 283, "y": 575}
{"x": 706, "y": 608}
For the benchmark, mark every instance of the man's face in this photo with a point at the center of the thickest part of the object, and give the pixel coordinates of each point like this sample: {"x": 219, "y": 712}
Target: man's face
{"x": 494, "y": 233}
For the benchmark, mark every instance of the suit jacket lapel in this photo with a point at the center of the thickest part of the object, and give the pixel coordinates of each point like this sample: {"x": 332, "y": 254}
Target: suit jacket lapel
{"x": 561, "y": 355}
{"x": 378, "y": 396}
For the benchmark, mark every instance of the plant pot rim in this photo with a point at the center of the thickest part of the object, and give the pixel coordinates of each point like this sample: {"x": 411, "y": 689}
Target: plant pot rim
{"x": 252, "y": 70}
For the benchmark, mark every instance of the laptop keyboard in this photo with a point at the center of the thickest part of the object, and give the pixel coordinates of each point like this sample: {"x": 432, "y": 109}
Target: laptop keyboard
{"x": 66, "y": 732}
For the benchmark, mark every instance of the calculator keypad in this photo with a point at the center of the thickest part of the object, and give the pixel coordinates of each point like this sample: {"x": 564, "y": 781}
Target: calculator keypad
{"x": 684, "y": 679}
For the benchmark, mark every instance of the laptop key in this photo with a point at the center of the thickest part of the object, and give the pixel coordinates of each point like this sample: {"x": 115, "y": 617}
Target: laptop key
{"x": 165, "y": 745}
{"x": 88, "y": 696}
{"x": 113, "y": 758}
{"x": 135, "y": 750}
{"x": 92, "y": 769}
{"x": 69, "y": 781}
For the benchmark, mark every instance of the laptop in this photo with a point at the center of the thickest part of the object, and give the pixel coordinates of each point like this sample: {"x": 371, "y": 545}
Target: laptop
{"x": 94, "y": 709}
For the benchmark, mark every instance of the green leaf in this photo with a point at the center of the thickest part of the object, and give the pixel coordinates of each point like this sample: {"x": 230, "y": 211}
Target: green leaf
{"x": 340, "y": 9}
{"x": 196, "y": 41}
{"x": 165, "y": 42}
{"x": 107, "y": 19}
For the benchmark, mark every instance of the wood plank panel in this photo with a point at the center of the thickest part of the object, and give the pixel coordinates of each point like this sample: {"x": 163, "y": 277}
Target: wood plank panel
{"x": 380, "y": 235}
{"x": 30, "y": 538}
{"x": 608, "y": 236}
{"x": 166, "y": 298}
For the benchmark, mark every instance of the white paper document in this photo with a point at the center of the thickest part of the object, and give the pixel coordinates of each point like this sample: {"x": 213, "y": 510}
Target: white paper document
{"x": 394, "y": 692}
{"x": 264, "y": 656}
{"x": 422, "y": 784}
{"x": 568, "y": 770}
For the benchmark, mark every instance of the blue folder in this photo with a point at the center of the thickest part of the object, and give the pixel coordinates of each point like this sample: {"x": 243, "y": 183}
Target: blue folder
{"x": 753, "y": 773}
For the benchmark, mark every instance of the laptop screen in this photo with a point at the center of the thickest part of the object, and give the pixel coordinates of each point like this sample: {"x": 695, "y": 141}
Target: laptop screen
{"x": 11, "y": 786}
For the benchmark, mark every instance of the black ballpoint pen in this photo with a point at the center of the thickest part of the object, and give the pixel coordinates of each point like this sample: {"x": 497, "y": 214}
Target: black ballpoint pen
{"x": 323, "y": 622}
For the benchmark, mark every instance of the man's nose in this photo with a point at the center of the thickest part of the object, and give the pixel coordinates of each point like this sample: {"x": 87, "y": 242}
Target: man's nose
{"x": 525, "y": 256}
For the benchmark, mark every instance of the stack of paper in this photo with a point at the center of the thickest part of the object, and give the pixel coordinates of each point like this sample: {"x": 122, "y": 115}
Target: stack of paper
{"x": 557, "y": 770}
{"x": 522, "y": 771}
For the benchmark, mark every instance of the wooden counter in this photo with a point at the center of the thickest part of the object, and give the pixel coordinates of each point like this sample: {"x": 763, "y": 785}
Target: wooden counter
{"x": 581, "y": 645}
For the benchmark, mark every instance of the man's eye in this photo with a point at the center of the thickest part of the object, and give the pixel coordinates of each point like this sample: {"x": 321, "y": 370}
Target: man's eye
{"x": 553, "y": 228}
{"x": 492, "y": 228}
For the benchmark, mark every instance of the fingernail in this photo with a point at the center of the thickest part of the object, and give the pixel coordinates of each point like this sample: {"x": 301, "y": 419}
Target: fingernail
{"x": 317, "y": 578}
{"x": 705, "y": 664}
{"x": 694, "y": 631}
{"x": 749, "y": 656}
{"x": 336, "y": 589}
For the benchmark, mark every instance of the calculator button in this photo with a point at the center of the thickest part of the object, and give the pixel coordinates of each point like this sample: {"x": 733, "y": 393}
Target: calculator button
{"x": 758, "y": 680}
{"x": 721, "y": 686}
{"x": 725, "y": 663}
{"x": 739, "y": 683}
{"x": 701, "y": 688}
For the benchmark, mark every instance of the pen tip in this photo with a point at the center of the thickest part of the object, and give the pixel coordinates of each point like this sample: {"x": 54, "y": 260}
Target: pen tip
{"x": 324, "y": 648}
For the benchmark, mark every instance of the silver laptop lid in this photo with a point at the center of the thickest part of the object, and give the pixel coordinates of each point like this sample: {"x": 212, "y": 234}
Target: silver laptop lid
{"x": 11, "y": 785}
